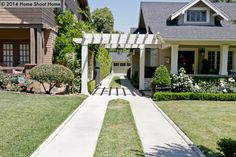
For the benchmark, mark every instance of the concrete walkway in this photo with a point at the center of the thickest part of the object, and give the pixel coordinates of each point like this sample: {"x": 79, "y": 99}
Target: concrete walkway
{"x": 78, "y": 135}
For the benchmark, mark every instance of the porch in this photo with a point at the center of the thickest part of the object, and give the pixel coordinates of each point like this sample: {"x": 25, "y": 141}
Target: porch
{"x": 21, "y": 45}
{"x": 208, "y": 57}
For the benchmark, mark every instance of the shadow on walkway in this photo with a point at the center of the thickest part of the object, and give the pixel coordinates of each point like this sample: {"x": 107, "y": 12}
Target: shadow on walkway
{"x": 174, "y": 150}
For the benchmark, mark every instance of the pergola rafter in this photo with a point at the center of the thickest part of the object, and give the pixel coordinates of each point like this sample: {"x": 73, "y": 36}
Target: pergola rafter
{"x": 115, "y": 41}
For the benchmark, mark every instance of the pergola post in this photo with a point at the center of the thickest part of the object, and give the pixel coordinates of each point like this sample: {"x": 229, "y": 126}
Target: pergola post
{"x": 84, "y": 69}
{"x": 141, "y": 68}
{"x": 224, "y": 50}
{"x": 174, "y": 59}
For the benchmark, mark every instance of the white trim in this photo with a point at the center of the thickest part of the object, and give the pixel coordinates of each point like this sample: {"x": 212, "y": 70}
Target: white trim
{"x": 193, "y": 2}
{"x": 198, "y": 9}
{"x": 119, "y": 40}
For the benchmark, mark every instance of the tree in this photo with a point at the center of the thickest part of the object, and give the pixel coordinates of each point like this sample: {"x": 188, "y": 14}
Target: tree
{"x": 102, "y": 20}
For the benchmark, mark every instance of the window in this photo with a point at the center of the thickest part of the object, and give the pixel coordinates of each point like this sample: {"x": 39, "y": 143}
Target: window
{"x": 24, "y": 53}
{"x": 196, "y": 16}
{"x": 211, "y": 60}
{"x": 8, "y": 54}
{"x": 116, "y": 64}
{"x": 230, "y": 61}
{"x": 128, "y": 64}
{"x": 214, "y": 61}
{"x": 122, "y": 64}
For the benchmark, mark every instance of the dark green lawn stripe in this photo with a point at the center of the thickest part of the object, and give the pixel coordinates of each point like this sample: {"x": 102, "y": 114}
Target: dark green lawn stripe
{"x": 118, "y": 137}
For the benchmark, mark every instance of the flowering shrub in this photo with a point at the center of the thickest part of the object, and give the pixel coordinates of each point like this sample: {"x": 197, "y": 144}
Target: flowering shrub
{"x": 182, "y": 82}
{"x": 12, "y": 82}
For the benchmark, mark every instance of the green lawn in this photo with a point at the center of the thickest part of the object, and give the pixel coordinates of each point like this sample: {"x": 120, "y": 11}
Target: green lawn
{"x": 204, "y": 122}
{"x": 115, "y": 82}
{"x": 118, "y": 137}
{"x": 26, "y": 121}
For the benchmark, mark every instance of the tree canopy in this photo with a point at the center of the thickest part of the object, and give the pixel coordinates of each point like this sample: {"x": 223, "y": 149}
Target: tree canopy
{"x": 102, "y": 20}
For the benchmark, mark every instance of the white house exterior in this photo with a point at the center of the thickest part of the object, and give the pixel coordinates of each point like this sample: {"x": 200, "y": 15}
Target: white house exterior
{"x": 198, "y": 36}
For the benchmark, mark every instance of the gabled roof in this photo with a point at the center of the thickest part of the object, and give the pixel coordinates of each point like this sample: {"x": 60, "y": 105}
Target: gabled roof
{"x": 155, "y": 16}
{"x": 122, "y": 56}
{"x": 206, "y": 2}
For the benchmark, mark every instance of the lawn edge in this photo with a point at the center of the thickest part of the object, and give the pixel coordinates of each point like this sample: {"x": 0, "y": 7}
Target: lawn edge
{"x": 179, "y": 131}
{"x": 51, "y": 137}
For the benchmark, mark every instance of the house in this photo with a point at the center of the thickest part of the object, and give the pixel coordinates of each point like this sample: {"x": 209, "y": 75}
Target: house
{"x": 27, "y": 35}
{"x": 199, "y": 36}
{"x": 120, "y": 62}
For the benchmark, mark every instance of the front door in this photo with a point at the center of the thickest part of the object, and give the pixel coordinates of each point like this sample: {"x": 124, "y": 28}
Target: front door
{"x": 186, "y": 60}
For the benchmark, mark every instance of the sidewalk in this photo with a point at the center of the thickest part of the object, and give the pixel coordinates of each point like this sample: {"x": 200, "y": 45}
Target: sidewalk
{"x": 79, "y": 134}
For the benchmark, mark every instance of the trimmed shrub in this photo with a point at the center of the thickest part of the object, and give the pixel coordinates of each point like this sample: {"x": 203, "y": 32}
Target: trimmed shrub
{"x": 91, "y": 86}
{"x": 227, "y": 146}
{"x": 51, "y": 74}
{"x": 166, "y": 96}
{"x": 128, "y": 73}
{"x": 161, "y": 77}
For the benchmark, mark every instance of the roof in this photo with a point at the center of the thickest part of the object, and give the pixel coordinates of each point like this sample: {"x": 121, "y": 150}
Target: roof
{"x": 119, "y": 56}
{"x": 156, "y": 14}
{"x": 206, "y": 2}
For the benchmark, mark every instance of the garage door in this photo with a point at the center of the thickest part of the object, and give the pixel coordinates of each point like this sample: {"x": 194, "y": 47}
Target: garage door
{"x": 120, "y": 67}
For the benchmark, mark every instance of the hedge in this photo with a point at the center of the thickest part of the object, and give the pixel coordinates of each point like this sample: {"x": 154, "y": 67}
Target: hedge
{"x": 91, "y": 86}
{"x": 166, "y": 96}
{"x": 105, "y": 61}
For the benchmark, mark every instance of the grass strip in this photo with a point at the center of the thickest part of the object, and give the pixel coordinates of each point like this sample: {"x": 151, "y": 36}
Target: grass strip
{"x": 118, "y": 137}
{"x": 115, "y": 82}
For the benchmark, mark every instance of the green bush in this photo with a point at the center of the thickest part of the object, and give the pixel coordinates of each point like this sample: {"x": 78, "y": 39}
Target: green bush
{"x": 105, "y": 61}
{"x": 51, "y": 74}
{"x": 227, "y": 146}
{"x": 91, "y": 86}
{"x": 161, "y": 77}
{"x": 167, "y": 96}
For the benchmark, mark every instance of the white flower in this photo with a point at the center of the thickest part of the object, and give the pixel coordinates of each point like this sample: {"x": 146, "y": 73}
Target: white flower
{"x": 231, "y": 80}
{"x": 196, "y": 87}
{"x": 225, "y": 91}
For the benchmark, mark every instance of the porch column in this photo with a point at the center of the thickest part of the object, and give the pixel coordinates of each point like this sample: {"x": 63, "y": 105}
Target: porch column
{"x": 39, "y": 47}
{"x": 141, "y": 68}
{"x": 84, "y": 69}
{"x": 224, "y": 49}
{"x": 174, "y": 59}
{"x": 32, "y": 46}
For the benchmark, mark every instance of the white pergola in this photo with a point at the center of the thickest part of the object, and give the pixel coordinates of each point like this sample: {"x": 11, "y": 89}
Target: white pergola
{"x": 140, "y": 41}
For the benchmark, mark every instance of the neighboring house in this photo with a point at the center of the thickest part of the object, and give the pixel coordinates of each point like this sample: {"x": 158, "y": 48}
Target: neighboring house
{"x": 120, "y": 62}
{"x": 27, "y": 35}
{"x": 198, "y": 36}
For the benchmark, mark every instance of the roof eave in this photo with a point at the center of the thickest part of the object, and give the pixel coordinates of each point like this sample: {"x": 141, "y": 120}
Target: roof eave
{"x": 193, "y": 2}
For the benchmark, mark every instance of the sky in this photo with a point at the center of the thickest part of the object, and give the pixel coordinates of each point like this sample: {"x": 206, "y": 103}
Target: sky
{"x": 125, "y": 12}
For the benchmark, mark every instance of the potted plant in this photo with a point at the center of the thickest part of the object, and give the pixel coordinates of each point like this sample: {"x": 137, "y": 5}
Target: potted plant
{"x": 161, "y": 80}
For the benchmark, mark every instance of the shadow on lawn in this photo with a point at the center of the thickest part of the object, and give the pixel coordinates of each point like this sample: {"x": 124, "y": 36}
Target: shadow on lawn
{"x": 209, "y": 152}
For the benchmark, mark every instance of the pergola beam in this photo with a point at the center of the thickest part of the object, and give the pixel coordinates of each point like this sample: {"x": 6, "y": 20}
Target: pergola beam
{"x": 115, "y": 41}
